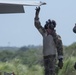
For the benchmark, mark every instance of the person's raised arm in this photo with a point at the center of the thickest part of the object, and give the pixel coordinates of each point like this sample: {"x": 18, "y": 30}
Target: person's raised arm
{"x": 37, "y": 12}
{"x": 37, "y": 22}
{"x": 36, "y": 19}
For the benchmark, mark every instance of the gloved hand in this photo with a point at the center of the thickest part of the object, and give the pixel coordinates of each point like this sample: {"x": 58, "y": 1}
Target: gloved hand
{"x": 37, "y": 11}
{"x": 75, "y": 66}
{"x": 60, "y": 63}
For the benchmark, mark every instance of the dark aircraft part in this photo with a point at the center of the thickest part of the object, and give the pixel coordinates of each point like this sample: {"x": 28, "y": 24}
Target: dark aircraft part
{"x": 75, "y": 66}
{"x": 8, "y": 8}
{"x": 74, "y": 29}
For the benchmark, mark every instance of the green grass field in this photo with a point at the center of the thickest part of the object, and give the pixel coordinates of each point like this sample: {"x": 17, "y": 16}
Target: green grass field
{"x": 19, "y": 69}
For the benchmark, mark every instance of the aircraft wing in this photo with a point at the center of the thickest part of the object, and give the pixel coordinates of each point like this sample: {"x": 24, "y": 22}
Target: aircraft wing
{"x": 17, "y": 6}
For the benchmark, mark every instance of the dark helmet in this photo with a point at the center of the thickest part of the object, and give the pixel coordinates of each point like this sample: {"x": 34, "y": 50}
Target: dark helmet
{"x": 50, "y": 24}
{"x": 74, "y": 29}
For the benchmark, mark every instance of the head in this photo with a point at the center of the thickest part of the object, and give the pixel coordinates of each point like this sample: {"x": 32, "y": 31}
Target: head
{"x": 50, "y": 24}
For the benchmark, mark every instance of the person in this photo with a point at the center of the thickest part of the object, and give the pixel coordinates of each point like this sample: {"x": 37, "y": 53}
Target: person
{"x": 74, "y": 30}
{"x": 52, "y": 44}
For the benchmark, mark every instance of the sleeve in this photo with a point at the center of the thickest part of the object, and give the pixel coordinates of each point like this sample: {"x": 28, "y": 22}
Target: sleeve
{"x": 59, "y": 46}
{"x": 38, "y": 26}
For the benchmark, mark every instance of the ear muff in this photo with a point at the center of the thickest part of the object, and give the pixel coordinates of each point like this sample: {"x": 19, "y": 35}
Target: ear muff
{"x": 54, "y": 23}
{"x": 46, "y": 25}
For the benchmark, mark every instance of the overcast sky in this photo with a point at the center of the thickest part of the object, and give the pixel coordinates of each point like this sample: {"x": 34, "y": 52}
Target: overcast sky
{"x": 18, "y": 29}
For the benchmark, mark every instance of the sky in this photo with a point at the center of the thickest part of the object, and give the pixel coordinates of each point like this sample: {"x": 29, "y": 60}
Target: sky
{"x": 19, "y": 30}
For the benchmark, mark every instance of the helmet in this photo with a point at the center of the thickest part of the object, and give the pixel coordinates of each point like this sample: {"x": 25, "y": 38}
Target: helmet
{"x": 50, "y": 24}
{"x": 74, "y": 29}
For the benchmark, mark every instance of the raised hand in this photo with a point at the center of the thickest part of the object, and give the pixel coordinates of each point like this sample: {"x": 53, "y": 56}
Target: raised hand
{"x": 37, "y": 11}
